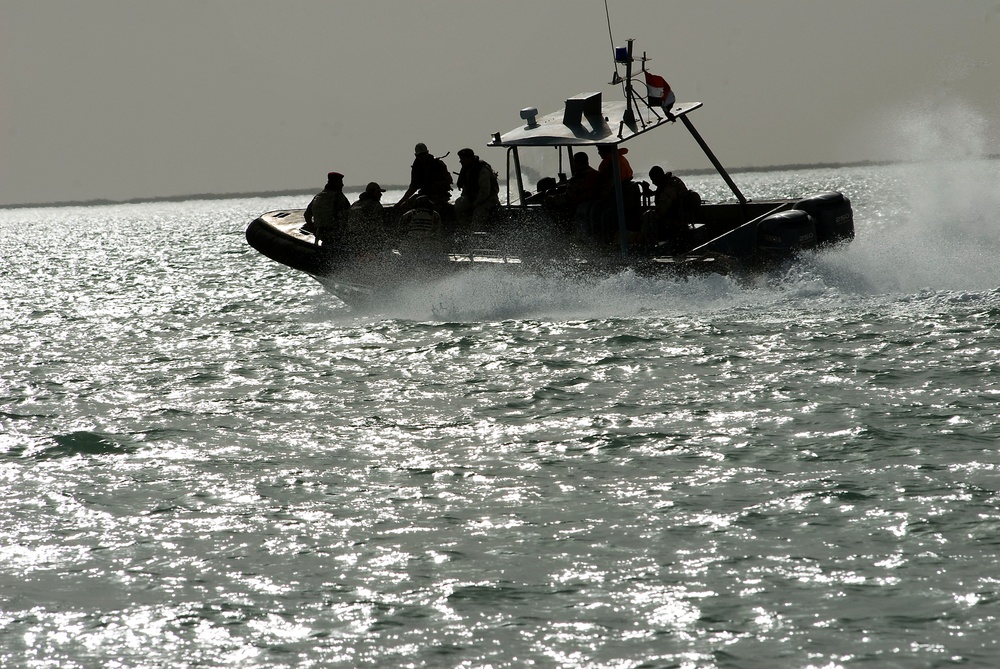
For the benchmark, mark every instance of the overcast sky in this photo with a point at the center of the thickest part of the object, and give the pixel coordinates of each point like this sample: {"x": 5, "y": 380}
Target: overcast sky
{"x": 123, "y": 99}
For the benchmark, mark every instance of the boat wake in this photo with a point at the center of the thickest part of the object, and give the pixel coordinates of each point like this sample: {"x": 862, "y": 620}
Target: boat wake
{"x": 490, "y": 294}
{"x": 943, "y": 234}
{"x": 931, "y": 220}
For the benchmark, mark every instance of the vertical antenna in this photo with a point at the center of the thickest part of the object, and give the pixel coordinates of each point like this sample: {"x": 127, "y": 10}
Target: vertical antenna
{"x": 607, "y": 12}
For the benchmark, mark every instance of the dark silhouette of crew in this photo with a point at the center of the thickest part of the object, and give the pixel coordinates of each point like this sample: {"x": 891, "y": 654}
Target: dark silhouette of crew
{"x": 326, "y": 215}
{"x": 674, "y": 206}
{"x": 429, "y": 176}
{"x": 479, "y": 199}
{"x": 367, "y": 231}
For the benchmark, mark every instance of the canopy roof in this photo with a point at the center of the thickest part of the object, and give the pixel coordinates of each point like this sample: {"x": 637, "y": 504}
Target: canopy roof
{"x": 587, "y": 121}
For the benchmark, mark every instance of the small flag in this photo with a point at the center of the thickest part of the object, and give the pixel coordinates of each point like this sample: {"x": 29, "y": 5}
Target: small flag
{"x": 658, "y": 93}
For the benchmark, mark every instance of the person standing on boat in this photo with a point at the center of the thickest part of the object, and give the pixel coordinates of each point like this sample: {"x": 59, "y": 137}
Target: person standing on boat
{"x": 480, "y": 199}
{"x": 326, "y": 215}
{"x": 366, "y": 223}
{"x": 429, "y": 176}
{"x": 422, "y": 232}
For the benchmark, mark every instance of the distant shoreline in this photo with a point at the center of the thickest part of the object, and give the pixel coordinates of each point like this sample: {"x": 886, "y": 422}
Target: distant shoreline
{"x": 311, "y": 191}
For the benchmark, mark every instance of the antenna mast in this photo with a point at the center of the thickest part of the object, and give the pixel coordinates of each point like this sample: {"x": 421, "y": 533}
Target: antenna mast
{"x": 607, "y": 12}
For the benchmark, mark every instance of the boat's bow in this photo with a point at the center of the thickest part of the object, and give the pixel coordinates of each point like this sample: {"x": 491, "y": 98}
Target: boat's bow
{"x": 279, "y": 236}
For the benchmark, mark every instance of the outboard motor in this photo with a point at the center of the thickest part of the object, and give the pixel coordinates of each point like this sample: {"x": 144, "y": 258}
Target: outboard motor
{"x": 833, "y": 215}
{"x": 786, "y": 232}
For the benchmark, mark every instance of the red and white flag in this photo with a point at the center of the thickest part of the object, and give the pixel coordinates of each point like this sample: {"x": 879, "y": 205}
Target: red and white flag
{"x": 658, "y": 93}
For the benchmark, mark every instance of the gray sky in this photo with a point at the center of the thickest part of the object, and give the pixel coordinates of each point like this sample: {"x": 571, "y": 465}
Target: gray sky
{"x": 121, "y": 99}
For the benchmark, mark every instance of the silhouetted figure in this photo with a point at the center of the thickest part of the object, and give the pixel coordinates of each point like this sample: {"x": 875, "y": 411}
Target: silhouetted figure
{"x": 326, "y": 215}
{"x": 673, "y": 207}
{"x": 480, "y": 199}
{"x": 367, "y": 231}
{"x": 606, "y": 168}
{"x": 582, "y": 186}
{"x": 429, "y": 176}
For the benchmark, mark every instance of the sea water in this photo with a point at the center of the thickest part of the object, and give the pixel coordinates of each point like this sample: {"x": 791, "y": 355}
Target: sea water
{"x": 207, "y": 461}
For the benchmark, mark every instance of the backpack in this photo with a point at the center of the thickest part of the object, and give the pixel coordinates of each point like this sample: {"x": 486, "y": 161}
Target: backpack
{"x": 494, "y": 179}
{"x": 687, "y": 198}
{"x": 439, "y": 173}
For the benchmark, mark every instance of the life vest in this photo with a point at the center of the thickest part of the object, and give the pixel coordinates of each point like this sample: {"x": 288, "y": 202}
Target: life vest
{"x": 468, "y": 180}
{"x": 329, "y": 210}
{"x": 420, "y": 224}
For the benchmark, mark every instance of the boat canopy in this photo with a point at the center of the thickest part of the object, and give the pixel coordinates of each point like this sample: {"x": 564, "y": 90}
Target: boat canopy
{"x": 587, "y": 121}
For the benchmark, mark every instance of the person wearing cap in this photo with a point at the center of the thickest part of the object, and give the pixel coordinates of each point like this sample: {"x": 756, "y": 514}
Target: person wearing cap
{"x": 366, "y": 224}
{"x": 428, "y": 176}
{"x": 480, "y": 190}
{"x": 326, "y": 215}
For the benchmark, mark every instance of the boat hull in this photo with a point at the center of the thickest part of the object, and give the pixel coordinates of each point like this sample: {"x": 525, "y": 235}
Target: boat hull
{"x": 279, "y": 236}
{"x": 527, "y": 240}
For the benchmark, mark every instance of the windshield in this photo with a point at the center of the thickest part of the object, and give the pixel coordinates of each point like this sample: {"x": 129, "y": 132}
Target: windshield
{"x": 537, "y": 164}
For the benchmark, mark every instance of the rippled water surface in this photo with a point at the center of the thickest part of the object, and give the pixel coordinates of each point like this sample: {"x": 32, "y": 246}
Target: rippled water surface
{"x": 207, "y": 461}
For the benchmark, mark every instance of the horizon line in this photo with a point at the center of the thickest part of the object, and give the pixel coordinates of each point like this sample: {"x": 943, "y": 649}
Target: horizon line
{"x": 99, "y": 202}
